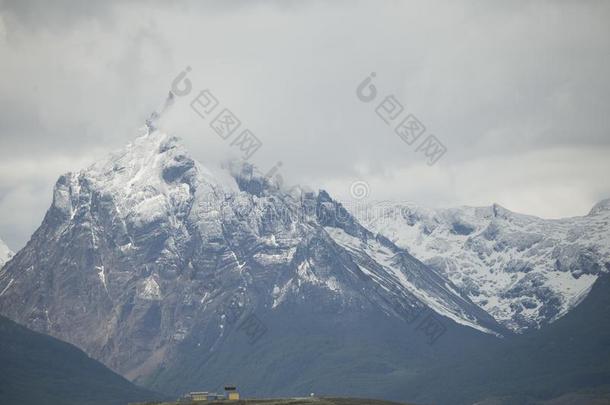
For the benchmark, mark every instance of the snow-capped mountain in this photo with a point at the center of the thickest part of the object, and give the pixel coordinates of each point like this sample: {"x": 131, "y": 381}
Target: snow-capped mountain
{"x": 525, "y": 271}
{"x": 147, "y": 252}
{"x": 5, "y": 253}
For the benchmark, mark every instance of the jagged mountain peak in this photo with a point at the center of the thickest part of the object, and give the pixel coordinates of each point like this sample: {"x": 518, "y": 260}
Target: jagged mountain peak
{"x": 249, "y": 178}
{"x": 5, "y": 253}
{"x": 152, "y": 159}
{"x": 500, "y": 211}
{"x": 601, "y": 207}
{"x": 150, "y": 177}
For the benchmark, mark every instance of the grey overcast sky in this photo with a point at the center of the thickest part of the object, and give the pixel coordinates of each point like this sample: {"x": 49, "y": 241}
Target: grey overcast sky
{"x": 519, "y": 92}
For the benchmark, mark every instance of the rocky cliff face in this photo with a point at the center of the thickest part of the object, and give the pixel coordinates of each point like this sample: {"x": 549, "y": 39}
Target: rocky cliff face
{"x": 523, "y": 270}
{"x": 148, "y": 251}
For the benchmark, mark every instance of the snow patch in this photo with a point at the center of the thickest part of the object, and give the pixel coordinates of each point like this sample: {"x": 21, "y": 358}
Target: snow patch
{"x": 382, "y": 255}
{"x": 10, "y": 283}
{"x": 150, "y": 290}
{"x": 102, "y": 276}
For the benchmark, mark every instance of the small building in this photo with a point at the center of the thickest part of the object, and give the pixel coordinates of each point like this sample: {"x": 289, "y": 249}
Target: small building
{"x": 232, "y": 394}
{"x": 198, "y": 396}
{"x": 212, "y": 396}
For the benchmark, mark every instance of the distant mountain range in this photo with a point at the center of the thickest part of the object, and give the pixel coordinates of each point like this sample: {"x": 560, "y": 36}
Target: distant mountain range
{"x": 147, "y": 252}
{"x": 182, "y": 277}
{"x": 523, "y": 270}
{"x": 38, "y": 369}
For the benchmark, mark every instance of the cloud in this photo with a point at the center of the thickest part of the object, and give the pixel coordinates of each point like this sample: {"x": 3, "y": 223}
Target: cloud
{"x": 535, "y": 182}
{"x": 508, "y": 88}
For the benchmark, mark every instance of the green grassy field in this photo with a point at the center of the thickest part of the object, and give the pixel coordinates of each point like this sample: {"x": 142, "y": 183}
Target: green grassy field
{"x": 291, "y": 401}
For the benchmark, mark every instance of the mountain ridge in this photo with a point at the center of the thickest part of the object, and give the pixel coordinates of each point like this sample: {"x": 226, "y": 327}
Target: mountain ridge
{"x": 173, "y": 274}
{"x": 142, "y": 251}
{"x": 524, "y": 270}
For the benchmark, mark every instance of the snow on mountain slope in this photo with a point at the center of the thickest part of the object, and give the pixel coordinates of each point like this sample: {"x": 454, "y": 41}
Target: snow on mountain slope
{"x": 523, "y": 270}
{"x": 388, "y": 269}
{"x": 5, "y": 253}
{"x": 147, "y": 248}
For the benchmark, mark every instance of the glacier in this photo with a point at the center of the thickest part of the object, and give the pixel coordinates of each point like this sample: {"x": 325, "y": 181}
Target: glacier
{"x": 523, "y": 270}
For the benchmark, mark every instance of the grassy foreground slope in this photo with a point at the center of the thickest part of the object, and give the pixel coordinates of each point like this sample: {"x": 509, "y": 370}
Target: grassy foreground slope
{"x": 39, "y": 369}
{"x": 295, "y": 401}
{"x": 567, "y": 359}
